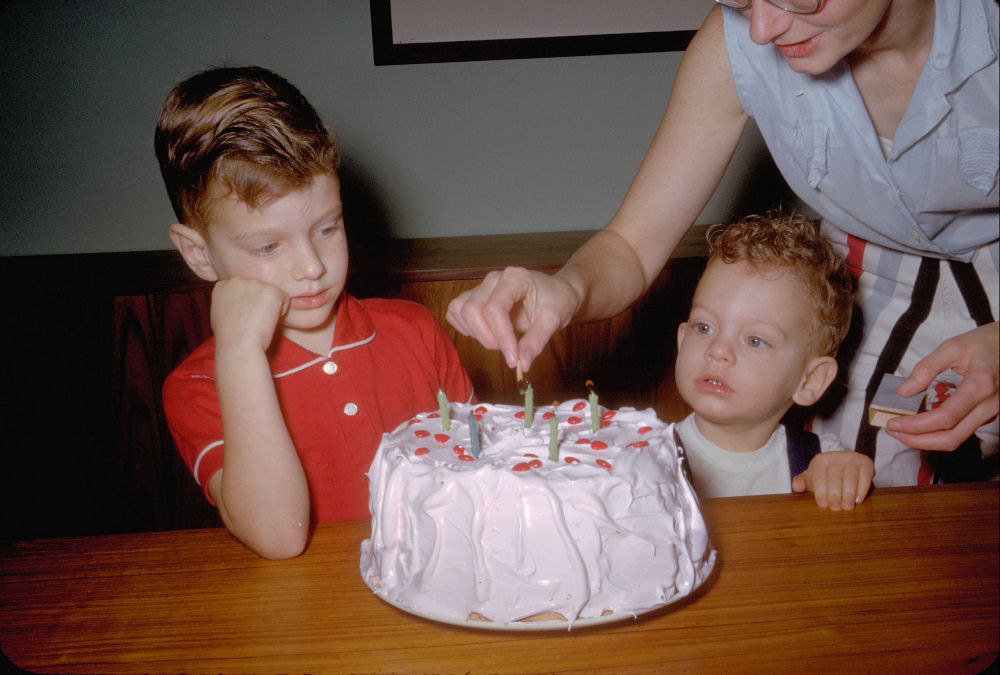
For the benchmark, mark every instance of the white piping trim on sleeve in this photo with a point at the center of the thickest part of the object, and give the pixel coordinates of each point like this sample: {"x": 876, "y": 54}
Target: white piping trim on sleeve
{"x": 201, "y": 455}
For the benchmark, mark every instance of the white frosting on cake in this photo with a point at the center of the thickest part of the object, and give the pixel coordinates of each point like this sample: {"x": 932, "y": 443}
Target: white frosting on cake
{"x": 612, "y": 526}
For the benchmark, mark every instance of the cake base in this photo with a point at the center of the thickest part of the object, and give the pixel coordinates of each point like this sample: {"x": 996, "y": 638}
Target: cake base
{"x": 535, "y": 623}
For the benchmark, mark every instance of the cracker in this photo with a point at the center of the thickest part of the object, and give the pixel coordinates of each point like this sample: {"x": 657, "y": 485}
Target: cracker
{"x": 887, "y": 404}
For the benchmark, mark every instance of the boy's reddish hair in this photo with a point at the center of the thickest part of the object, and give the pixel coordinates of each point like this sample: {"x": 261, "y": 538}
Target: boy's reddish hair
{"x": 242, "y": 130}
{"x": 791, "y": 242}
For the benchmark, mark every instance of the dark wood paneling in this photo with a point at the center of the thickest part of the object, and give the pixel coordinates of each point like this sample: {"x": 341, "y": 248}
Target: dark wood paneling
{"x": 89, "y": 339}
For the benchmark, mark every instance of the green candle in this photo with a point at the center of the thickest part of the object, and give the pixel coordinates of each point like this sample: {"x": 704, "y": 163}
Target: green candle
{"x": 595, "y": 416}
{"x": 443, "y": 408}
{"x": 529, "y": 406}
{"x": 554, "y": 438}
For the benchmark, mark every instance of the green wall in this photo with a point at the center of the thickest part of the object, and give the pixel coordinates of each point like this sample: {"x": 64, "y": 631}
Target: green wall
{"x": 430, "y": 150}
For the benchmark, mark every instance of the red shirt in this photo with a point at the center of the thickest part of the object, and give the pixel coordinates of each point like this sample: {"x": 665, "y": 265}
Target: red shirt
{"x": 388, "y": 360}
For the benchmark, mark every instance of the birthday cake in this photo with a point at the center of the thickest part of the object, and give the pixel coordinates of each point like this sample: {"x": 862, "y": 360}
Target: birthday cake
{"x": 517, "y": 528}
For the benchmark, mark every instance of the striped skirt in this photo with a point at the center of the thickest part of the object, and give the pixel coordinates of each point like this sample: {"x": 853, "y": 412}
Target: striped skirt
{"x": 907, "y": 306}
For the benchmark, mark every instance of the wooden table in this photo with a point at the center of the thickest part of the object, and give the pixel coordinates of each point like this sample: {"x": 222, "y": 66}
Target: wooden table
{"x": 905, "y": 583}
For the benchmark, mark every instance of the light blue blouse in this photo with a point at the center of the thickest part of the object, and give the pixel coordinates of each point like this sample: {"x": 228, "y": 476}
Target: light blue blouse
{"x": 936, "y": 192}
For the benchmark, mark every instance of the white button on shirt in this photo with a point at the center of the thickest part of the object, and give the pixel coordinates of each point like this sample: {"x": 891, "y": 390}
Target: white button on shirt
{"x": 329, "y": 367}
{"x": 351, "y": 409}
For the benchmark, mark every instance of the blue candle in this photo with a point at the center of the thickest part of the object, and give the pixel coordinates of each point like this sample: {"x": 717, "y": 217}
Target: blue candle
{"x": 474, "y": 435}
{"x": 443, "y": 409}
{"x": 529, "y": 406}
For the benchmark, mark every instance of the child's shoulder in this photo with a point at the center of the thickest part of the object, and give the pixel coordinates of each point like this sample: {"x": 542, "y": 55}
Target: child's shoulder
{"x": 195, "y": 371}
{"x": 199, "y": 363}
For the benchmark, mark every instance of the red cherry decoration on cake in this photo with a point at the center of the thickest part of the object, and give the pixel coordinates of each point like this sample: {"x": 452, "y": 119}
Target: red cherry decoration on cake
{"x": 421, "y": 433}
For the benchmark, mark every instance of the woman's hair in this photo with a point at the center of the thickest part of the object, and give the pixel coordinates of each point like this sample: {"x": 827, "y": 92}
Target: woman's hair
{"x": 790, "y": 242}
{"x": 246, "y": 131}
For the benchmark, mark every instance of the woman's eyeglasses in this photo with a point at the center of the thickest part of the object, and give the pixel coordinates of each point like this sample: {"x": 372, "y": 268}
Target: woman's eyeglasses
{"x": 793, "y": 6}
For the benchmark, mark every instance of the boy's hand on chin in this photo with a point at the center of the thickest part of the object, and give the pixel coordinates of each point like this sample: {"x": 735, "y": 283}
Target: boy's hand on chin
{"x": 838, "y": 480}
{"x": 245, "y": 312}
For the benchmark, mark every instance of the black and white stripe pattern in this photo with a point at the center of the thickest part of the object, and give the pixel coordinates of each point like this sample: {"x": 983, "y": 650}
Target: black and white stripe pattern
{"x": 906, "y": 307}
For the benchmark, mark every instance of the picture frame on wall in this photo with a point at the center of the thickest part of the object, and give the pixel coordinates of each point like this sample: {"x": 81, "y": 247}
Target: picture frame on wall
{"x": 438, "y": 31}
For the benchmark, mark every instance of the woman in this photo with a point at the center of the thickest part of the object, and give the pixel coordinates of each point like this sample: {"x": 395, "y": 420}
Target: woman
{"x": 881, "y": 119}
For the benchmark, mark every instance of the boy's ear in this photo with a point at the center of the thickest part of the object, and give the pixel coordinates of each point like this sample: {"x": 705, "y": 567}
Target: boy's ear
{"x": 194, "y": 250}
{"x": 681, "y": 332}
{"x": 818, "y": 376}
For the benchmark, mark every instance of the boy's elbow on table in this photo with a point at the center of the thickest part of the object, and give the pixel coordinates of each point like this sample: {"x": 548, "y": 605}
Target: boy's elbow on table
{"x": 275, "y": 542}
{"x": 282, "y": 548}
{"x": 274, "y": 539}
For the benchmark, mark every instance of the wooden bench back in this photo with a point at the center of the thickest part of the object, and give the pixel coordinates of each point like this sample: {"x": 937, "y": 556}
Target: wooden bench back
{"x": 89, "y": 339}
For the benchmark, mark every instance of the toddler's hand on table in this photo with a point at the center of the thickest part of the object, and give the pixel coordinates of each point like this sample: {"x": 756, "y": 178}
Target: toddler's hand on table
{"x": 515, "y": 300}
{"x": 838, "y": 479}
{"x": 974, "y": 356}
{"x": 245, "y": 312}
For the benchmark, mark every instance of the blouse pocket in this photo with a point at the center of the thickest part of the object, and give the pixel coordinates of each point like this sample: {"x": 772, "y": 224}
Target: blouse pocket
{"x": 807, "y": 148}
{"x": 979, "y": 158}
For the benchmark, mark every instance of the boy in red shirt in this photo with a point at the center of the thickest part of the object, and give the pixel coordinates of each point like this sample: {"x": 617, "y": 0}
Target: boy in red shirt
{"x": 280, "y": 413}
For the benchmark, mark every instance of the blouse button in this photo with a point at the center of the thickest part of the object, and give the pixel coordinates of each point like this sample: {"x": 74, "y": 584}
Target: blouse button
{"x": 351, "y": 409}
{"x": 329, "y": 367}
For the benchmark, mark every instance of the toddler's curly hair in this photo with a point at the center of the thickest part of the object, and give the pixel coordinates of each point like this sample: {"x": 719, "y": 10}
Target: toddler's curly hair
{"x": 790, "y": 242}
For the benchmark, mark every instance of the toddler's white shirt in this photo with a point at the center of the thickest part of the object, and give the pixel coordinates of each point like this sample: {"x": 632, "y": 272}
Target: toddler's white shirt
{"x": 723, "y": 473}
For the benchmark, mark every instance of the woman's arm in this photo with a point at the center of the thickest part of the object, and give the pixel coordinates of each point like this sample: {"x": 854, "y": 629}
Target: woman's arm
{"x": 689, "y": 154}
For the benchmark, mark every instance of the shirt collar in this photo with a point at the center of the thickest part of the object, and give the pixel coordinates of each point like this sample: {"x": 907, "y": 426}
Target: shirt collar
{"x": 962, "y": 43}
{"x": 353, "y": 328}
{"x": 962, "y": 46}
